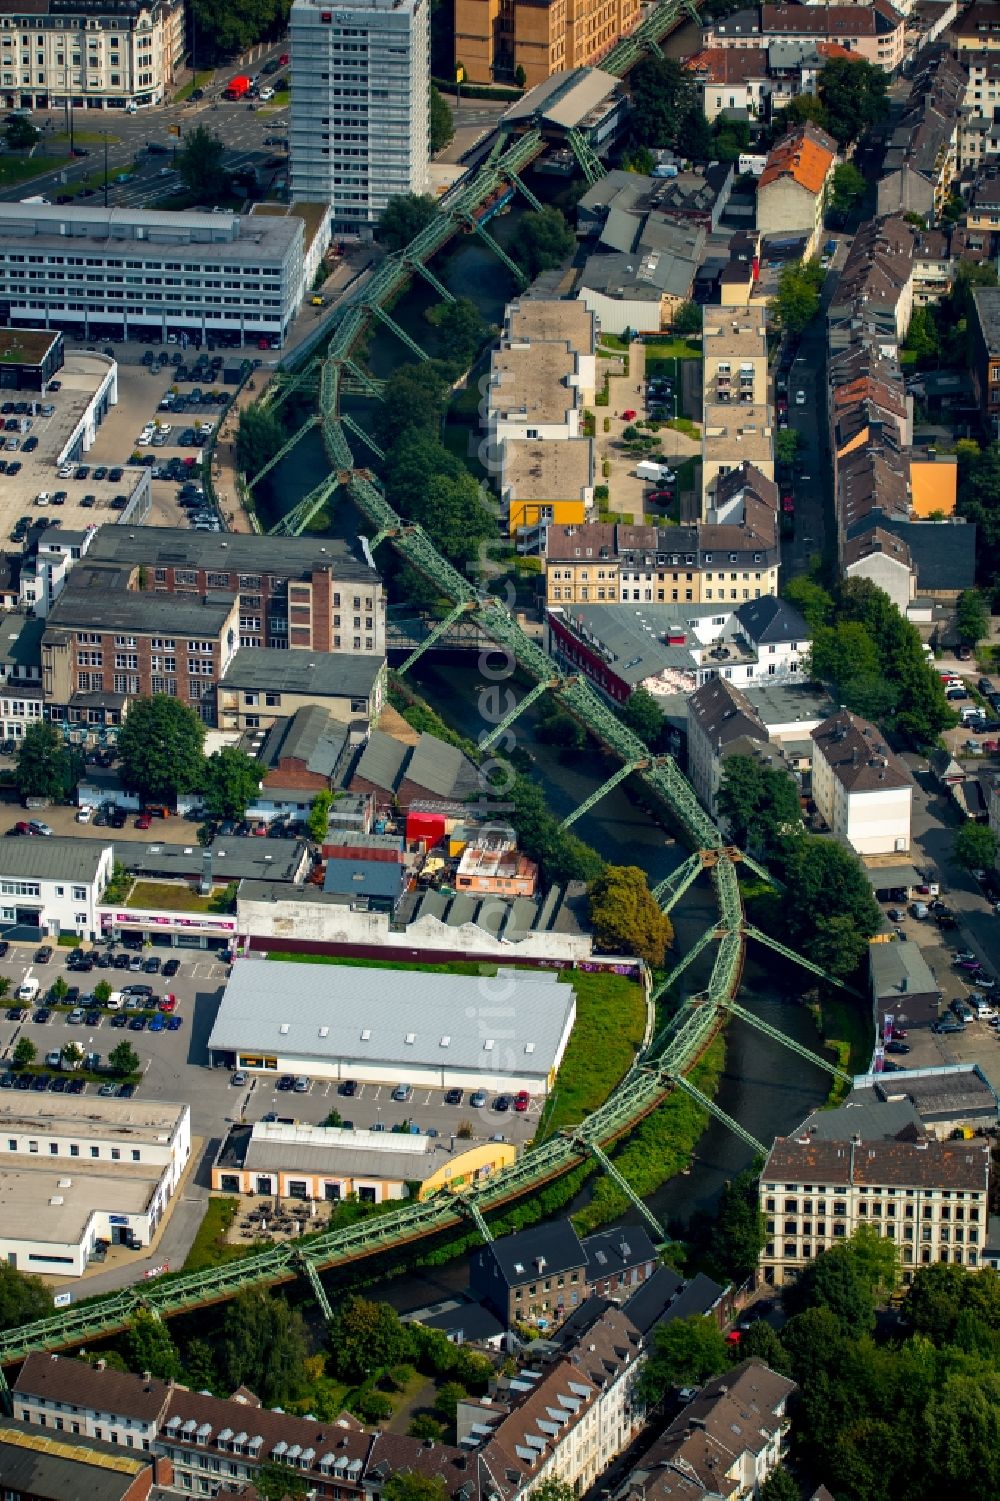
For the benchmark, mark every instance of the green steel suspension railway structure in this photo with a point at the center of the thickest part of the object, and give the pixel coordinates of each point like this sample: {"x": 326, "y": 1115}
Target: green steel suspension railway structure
{"x": 664, "y": 1063}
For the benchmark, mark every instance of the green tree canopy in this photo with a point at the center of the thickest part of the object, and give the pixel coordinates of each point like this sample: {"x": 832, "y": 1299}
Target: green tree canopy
{"x": 46, "y": 765}
{"x": 665, "y": 97}
{"x": 972, "y": 617}
{"x": 274, "y": 1481}
{"x": 160, "y": 746}
{"x": 411, "y": 1485}
{"x": 259, "y": 436}
{"x": 123, "y": 1059}
{"x": 459, "y": 332}
{"x": 230, "y": 782}
{"x": 854, "y": 94}
{"x": 227, "y": 27}
{"x": 814, "y": 603}
{"x": 414, "y": 403}
{"x": 544, "y": 241}
{"x": 786, "y": 445}
{"x": 442, "y": 122}
{"x": 797, "y": 300}
{"x": 688, "y": 318}
{"x": 25, "y": 1052}
{"x": 20, "y": 134}
{"x": 23, "y": 1299}
{"x": 780, "y": 1486}
{"x": 319, "y": 816}
{"x": 626, "y": 918}
{"x": 403, "y": 217}
{"x": 200, "y": 165}
{"x": 560, "y": 854}
{"x": 759, "y": 803}
{"x": 974, "y": 846}
{"x": 827, "y": 910}
{"x": 147, "y": 1345}
{"x": 685, "y": 1351}
{"x": 366, "y": 1336}
{"x": 922, "y": 336}
{"x": 740, "y": 1234}
{"x": 847, "y": 192}
{"x": 644, "y": 717}
{"x": 263, "y": 1346}
{"x": 835, "y": 1280}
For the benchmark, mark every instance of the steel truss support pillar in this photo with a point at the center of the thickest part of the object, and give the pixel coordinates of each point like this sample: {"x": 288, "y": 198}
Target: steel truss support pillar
{"x": 299, "y": 517}
{"x": 758, "y": 869}
{"x": 622, "y": 1182}
{"x": 434, "y": 635}
{"x": 786, "y": 953}
{"x": 709, "y": 936}
{"x": 5, "y": 1403}
{"x": 283, "y": 386}
{"x": 669, "y": 892}
{"x": 401, "y": 334}
{"x": 416, "y": 264}
{"x": 720, "y": 1115}
{"x": 468, "y": 1206}
{"x": 518, "y": 709}
{"x": 285, "y": 448}
{"x": 602, "y": 791}
{"x": 500, "y": 253}
{"x": 319, "y": 1291}
{"x": 525, "y": 191}
{"x": 590, "y": 163}
{"x": 359, "y": 432}
{"x": 380, "y": 537}
{"x": 368, "y": 383}
{"x": 787, "y": 1042}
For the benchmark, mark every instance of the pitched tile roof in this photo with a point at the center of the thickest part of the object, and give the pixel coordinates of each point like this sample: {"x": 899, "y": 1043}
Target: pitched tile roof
{"x": 806, "y": 155}
{"x": 892, "y": 1164}
{"x": 722, "y": 713}
{"x": 58, "y": 1378}
{"x": 857, "y": 754}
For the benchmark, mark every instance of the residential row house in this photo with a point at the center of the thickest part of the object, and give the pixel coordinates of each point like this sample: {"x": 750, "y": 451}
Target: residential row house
{"x": 737, "y": 430}
{"x": 757, "y": 82}
{"x": 930, "y": 1198}
{"x": 861, "y": 787}
{"x": 543, "y": 375}
{"x": 875, "y": 32}
{"x": 793, "y": 190}
{"x": 734, "y": 558}
{"x": 922, "y": 156}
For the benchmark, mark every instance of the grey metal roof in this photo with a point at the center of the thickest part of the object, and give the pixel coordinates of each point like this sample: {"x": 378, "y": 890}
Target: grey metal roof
{"x": 441, "y": 768}
{"x": 177, "y": 547}
{"x": 771, "y": 619}
{"x": 96, "y": 609}
{"x": 233, "y": 859}
{"x": 516, "y": 1257}
{"x": 863, "y": 1114}
{"x": 372, "y": 878}
{"x": 382, "y": 760}
{"x": 36, "y": 1462}
{"x": 285, "y": 1007}
{"x": 21, "y": 640}
{"x": 325, "y": 674}
{"x": 777, "y": 703}
{"x": 310, "y": 735}
{"x": 335, "y": 1158}
{"x": 943, "y": 553}
{"x": 52, "y": 859}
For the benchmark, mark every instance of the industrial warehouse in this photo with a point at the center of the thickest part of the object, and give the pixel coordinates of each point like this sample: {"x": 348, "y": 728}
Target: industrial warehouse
{"x": 506, "y": 1031}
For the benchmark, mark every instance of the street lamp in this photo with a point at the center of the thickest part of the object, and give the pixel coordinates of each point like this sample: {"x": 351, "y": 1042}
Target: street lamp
{"x": 105, "y": 169}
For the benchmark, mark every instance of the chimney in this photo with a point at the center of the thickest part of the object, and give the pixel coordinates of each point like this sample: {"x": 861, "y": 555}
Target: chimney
{"x": 205, "y": 884}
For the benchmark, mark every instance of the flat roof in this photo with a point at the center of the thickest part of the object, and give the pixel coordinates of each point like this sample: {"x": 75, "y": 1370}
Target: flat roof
{"x": 778, "y": 703}
{"x": 550, "y": 318}
{"x": 54, "y": 1201}
{"x": 553, "y": 470}
{"x": 112, "y": 1120}
{"x": 325, "y": 674}
{"x": 179, "y": 547}
{"x": 900, "y": 969}
{"x": 732, "y": 429}
{"x": 273, "y": 1147}
{"x": 52, "y": 858}
{"x": 37, "y": 1462}
{"x": 233, "y": 858}
{"x": 735, "y": 337}
{"x": 532, "y": 381}
{"x": 147, "y": 234}
{"x": 565, "y": 98}
{"x": 514, "y": 1023}
{"x": 96, "y": 609}
{"x": 26, "y": 346}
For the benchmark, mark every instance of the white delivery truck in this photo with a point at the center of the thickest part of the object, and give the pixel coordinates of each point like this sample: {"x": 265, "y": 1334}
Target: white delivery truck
{"x": 658, "y": 473}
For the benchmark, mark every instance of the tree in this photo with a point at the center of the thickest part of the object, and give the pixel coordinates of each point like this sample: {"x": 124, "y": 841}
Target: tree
{"x": 804, "y": 109}
{"x": 366, "y": 1336}
{"x": 259, "y": 436}
{"x": 759, "y": 803}
{"x": 442, "y": 122}
{"x": 971, "y": 617}
{"x": 448, "y": 1397}
{"x": 545, "y": 240}
{"x": 762, "y": 1342}
{"x": 814, "y": 603}
{"x": 740, "y": 1228}
{"x": 102, "y": 992}
{"x": 460, "y": 332}
{"x": 974, "y": 846}
{"x": 426, "y": 1428}
{"x": 228, "y": 27}
{"x": 230, "y": 782}
{"x": 685, "y": 1352}
{"x": 403, "y": 217}
{"x": 23, "y": 1299}
{"x": 147, "y": 1346}
{"x": 59, "y": 988}
{"x": 922, "y": 336}
{"x": 25, "y": 1052}
{"x": 827, "y": 911}
{"x": 836, "y": 1281}
{"x": 664, "y": 98}
{"x": 20, "y": 134}
{"x": 72, "y": 1054}
{"x": 848, "y": 190}
{"x": 46, "y": 765}
{"x": 644, "y": 716}
{"x": 854, "y": 94}
{"x": 688, "y": 318}
{"x": 199, "y": 164}
{"x": 263, "y": 1346}
{"x": 319, "y": 816}
{"x": 160, "y": 745}
{"x": 625, "y": 917}
{"x": 410, "y": 1485}
{"x": 123, "y": 1059}
{"x": 779, "y": 1486}
{"x": 876, "y": 1259}
{"x": 274, "y": 1482}
{"x": 199, "y": 1365}
{"x": 560, "y": 728}
{"x": 562, "y": 856}
{"x": 4, "y": 986}
{"x": 414, "y": 404}
{"x": 797, "y": 299}
{"x": 786, "y": 445}
{"x": 553, "y": 1489}
{"x": 639, "y": 159}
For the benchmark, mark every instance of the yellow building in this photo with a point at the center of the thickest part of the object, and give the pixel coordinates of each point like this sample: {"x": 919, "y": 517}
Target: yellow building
{"x": 933, "y": 483}
{"x": 325, "y": 1164}
{"x": 494, "y": 39}
{"x": 547, "y": 482}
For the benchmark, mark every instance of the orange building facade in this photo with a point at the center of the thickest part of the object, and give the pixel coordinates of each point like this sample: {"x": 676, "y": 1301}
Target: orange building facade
{"x": 493, "y": 38}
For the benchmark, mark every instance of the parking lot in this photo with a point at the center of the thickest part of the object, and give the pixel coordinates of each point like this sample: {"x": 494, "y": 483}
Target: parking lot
{"x": 174, "y": 1064}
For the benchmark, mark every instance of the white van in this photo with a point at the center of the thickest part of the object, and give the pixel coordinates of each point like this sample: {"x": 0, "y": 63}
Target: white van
{"x": 983, "y": 1010}
{"x": 28, "y": 989}
{"x": 115, "y": 1001}
{"x": 919, "y": 909}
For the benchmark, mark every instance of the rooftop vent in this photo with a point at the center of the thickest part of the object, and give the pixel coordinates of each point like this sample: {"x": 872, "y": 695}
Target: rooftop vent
{"x": 366, "y": 1034}
{"x": 283, "y": 1029}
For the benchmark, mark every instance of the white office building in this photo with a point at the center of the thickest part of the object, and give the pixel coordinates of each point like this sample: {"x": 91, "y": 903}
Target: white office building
{"x": 117, "y": 272}
{"x": 53, "y": 885}
{"x": 94, "y": 54}
{"x": 360, "y": 119}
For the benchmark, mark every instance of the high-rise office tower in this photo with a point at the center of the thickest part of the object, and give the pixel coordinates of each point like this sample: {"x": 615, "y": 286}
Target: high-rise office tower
{"x": 360, "y": 120}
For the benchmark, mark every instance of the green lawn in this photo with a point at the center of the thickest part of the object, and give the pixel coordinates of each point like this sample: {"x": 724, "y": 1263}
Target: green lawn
{"x": 456, "y": 967}
{"x": 83, "y": 138}
{"x": 210, "y": 1247}
{"x": 176, "y": 897}
{"x": 610, "y": 1019}
{"x": 15, "y": 169}
{"x": 199, "y": 81}
{"x": 280, "y": 101}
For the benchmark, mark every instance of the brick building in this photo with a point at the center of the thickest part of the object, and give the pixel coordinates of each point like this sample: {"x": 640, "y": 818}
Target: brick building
{"x": 494, "y": 38}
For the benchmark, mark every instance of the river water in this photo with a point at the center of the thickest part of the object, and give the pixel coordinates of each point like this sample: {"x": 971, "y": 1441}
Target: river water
{"x": 768, "y": 1089}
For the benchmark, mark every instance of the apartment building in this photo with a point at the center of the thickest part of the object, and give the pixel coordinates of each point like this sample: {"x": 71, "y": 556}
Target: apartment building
{"x": 885, "y": 559}
{"x": 792, "y": 190}
{"x": 875, "y": 32}
{"x": 984, "y": 333}
{"x": 861, "y": 788}
{"x": 732, "y": 79}
{"x": 93, "y": 54}
{"x": 734, "y": 435}
{"x": 136, "y": 271}
{"x": 493, "y": 39}
{"x": 20, "y": 673}
{"x": 978, "y": 28}
{"x": 79, "y": 1171}
{"x": 105, "y": 644}
{"x": 873, "y": 300}
{"x": 360, "y": 117}
{"x": 721, "y": 1446}
{"x": 54, "y": 885}
{"x": 735, "y": 358}
{"x": 37, "y": 1467}
{"x": 720, "y": 722}
{"x": 257, "y": 687}
{"x": 929, "y": 1197}
{"x": 921, "y": 158}
{"x": 303, "y": 593}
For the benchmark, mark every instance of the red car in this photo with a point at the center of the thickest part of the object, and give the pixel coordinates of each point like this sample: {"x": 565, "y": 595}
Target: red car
{"x": 665, "y": 495}
{"x": 629, "y": 414}
{"x": 144, "y": 821}
{"x": 283, "y": 60}
{"x": 169, "y": 1002}
{"x": 521, "y": 1101}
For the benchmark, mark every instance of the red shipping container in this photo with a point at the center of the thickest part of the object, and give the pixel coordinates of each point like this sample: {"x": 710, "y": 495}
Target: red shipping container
{"x": 427, "y": 829}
